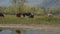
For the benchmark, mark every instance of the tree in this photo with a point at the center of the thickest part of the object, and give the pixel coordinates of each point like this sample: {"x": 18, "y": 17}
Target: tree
{"x": 18, "y": 5}
{"x": 55, "y": 10}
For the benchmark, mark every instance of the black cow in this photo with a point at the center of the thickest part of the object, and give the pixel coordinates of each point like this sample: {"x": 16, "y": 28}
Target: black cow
{"x": 1, "y": 15}
{"x": 31, "y": 16}
{"x": 26, "y": 14}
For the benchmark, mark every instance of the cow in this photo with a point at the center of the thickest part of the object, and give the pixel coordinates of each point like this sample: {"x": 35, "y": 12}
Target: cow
{"x": 50, "y": 15}
{"x": 26, "y": 14}
{"x": 1, "y": 15}
{"x": 31, "y": 16}
{"x": 18, "y": 15}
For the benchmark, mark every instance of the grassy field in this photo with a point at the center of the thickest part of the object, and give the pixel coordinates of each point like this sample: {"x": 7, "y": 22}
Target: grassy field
{"x": 12, "y": 19}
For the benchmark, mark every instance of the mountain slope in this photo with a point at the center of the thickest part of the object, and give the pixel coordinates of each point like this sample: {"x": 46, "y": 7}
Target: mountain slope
{"x": 50, "y": 3}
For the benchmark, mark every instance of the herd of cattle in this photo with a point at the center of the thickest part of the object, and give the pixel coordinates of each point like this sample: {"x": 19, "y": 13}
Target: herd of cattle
{"x": 25, "y": 14}
{"x": 30, "y": 15}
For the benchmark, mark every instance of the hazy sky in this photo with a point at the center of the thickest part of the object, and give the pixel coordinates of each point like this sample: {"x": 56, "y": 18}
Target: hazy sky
{"x": 33, "y": 2}
{"x": 4, "y": 3}
{"x": 30, "y": 2}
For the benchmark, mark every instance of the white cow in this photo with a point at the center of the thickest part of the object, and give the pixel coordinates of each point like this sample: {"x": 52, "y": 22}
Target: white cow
{"x": 50, "y": 15}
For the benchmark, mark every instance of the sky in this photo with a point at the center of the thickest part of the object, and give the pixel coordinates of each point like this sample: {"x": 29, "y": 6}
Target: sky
{"x": 33, "y": 2}
{"x": 5, "y": 3}
{"x": 30, "y": 2}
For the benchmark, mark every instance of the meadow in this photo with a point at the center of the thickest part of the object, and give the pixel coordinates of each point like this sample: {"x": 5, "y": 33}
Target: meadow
{"x": 12, "y": 19}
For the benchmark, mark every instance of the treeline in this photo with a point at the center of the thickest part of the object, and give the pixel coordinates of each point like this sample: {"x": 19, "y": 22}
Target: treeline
{"x": 16, "y": 8}
{"x": 54, "y": 10}
{"x": 20, "y": 7}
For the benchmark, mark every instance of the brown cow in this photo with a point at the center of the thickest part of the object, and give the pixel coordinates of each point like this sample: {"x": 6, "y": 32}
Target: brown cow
{"x": 1, "y": 15}
{"x": 18, "y": 15}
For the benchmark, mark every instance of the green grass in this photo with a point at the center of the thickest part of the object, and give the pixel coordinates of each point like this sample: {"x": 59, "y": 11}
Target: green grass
{"x": 12, "y": 19}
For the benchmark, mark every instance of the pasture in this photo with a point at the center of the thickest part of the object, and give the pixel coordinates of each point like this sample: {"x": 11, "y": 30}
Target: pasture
{"x": 12, "y": 19}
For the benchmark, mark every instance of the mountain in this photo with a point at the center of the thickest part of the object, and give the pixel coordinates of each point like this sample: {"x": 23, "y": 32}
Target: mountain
{"x": 50, "y": 3}
{"x": 44, "y": 3}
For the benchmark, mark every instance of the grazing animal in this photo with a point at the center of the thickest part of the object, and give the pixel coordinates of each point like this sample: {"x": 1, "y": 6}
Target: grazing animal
{"x": 25, "y": 14}
{"x": 50, "y": 15}
{"x": 31, "y": 16}
{"x": 18, "y": 15}
{"x": 1, "y": 15}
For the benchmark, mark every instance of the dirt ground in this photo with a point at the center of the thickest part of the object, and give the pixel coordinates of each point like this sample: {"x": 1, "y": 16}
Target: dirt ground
{"x": 32, "y": 26}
